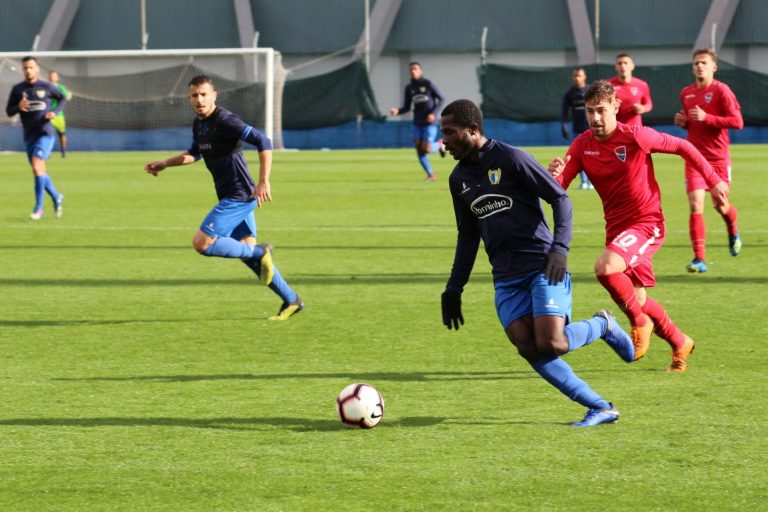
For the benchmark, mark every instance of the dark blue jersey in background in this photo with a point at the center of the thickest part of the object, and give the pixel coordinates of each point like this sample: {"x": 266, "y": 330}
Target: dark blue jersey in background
{"x": 218, "y": 139}
{"x": 573, "y": 103}
{"x": 497, "y": 200}
{"x": 39, "y": 94}
{"x": 426, "y": 99}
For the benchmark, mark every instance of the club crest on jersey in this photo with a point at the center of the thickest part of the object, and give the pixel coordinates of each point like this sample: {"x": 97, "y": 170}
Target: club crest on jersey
{"x": 708, "y": 97}
{"x": 422, "y": 89}
{"x": 494, "y": 176}
{"x": 633, "y": 90}
{"x": 40, "y": 93}
{"x": 621, "y": 153}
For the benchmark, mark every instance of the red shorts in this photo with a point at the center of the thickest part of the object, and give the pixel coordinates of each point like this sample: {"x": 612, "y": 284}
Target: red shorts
{"x": 694, "y": 180}
{"x": 636, "y": 246}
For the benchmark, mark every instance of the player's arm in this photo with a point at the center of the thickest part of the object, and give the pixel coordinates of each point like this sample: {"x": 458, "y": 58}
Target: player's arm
{"x": 60, "y": 98}
{"x": 12, "y": 107}
{"x": 185, "y": 158}
{"x": 263, "y": 191}
{"x": 407, "y": 98}
{"x": 646, "y": 104}
{"x": 732, "y": 117}
{"x": 564, "y": 170}
{"x": 565, "y": 108}
{"x": 438, "y": 98}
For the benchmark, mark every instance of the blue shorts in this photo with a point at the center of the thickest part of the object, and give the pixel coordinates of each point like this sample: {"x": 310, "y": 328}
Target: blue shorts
{"x": 230, "y": 218}
{"x": 428, "y": 133}
{"x": 533, "y": 295}
{"x": 40, "y": 147}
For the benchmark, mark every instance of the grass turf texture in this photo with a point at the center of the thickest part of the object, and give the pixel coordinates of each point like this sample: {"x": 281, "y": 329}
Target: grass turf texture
{"x": 138, "y": 375}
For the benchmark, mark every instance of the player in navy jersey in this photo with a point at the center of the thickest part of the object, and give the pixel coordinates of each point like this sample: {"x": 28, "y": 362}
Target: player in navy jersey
{"x": 32, "y": 99}
{"x": 426, "y": 99}
{"x": 496, "y": 190}
{"x": 573, "y": 104}
{"x": 229, "y": 230}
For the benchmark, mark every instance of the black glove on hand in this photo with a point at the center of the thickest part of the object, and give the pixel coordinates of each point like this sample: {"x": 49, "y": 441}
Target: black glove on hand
{"x": 556, "y": 267}
{"x": 451, "y": 303}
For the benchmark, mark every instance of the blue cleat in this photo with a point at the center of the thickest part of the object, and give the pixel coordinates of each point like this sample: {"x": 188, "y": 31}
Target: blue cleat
{"x": 596, "y": 417}
{"x": 734, "y": 244}
{"x": 697, "y": 266}
{"x": 617, "y": 338}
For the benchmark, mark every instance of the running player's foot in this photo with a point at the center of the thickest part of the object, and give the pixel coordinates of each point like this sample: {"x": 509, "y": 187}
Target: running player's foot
{"x": 641, "y": 338}
{"x": 267, "y": 271}
{"x": 596, "y": 417}
{"x": 583, "y": 185}
{"x": 59, "y": 206}
{"x": 616, "y": 338}
{"x": 734, "y": 244}
{"x": 431, "y": 177}
{"x": 63, "y": 153}
{"x": 288, "y": 309}
{"x": 442, "y": 150}
{"x": 36, "y": 215}
{"x": 590, "y": 186}
{"x": 680, "y": 356}
{"x": 696, "y": 266}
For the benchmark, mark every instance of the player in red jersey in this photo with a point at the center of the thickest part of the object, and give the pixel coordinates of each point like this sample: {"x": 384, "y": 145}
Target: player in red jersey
{"x": 709, "y": 109}
{"x": 617, "y": 159}
{"x": 632, "y": 94}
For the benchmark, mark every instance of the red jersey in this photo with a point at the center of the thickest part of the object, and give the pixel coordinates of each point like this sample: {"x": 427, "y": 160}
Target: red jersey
{"x": 710, "y": 136}
{"x": 629, "y": 94}
{"x": 621, "y": 170}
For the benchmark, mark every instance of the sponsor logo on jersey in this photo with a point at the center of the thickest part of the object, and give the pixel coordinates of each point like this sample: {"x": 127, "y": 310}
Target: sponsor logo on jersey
{"x": 420, "y": 98}
{"x": 589, "y": 152}
{"x": 37, "y": 106}
{"x": 490, "y": 204}
{"x": 621, "y": 153}
{"x": 708, "y": 97}
{"x": 494, "y": 176}
{"x": 689, "y": 96}
{"x": 205, "y": 146}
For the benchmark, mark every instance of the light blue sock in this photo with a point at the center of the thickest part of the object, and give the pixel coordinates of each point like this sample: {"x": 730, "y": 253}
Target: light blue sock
{"x": 424, "y": 161}
{"x": 225, "y": 247}
{"x": 558, "y": 373}
{"x": 583, "y": 176}
{"x": 39, "y": 191}
{"x": 278, "y": 284}
{"x": 434, "y": 146}
{"x": 51, "y": 189}
{"x": 585, "y": 332}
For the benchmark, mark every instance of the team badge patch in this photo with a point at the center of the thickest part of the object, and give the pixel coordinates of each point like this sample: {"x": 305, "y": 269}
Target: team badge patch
{"x": 40, "y": 93}
{"x": 494, "y": 176}
{"x": 633, "y": 90}
{"x": 708, "y": 97}
{"x": 621, "y": 153}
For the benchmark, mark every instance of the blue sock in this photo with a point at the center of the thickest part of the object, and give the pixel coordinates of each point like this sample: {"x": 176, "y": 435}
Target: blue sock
{"x": 424, "y": 161}
{"x": 584, "y": 178}
{"x": 225, "y": 247}
{"x": 51, "y": 189}
{"x": 278, "y": 284}
{"x": 585, "y": 332}
{"x": 558, "y": 373}
{"x": 434, "y": 146}
{"x": 39, "y": 191}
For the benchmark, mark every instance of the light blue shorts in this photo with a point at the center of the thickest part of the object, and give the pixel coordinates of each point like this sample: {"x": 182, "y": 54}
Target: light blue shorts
{"x": 40, "y": 147}
{"x": 533, "y": 295}
{"x": 230, "y": 218}
{"x": 428, "y": 133}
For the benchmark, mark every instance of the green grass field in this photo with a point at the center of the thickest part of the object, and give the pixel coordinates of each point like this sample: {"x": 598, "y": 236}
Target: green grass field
{"x": 139, "y": 376}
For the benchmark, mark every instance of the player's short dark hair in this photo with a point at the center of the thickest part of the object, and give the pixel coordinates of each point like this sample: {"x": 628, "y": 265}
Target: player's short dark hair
{"x": 598, "y": 91}
{"x": 706, "y": 51}
{"x": 465, "y": 113}
{"x": 624, "y": 54}
{"x": 200, "y": 80}
{"x": 580, "y": 68}
{"x": 29, "y": 58}
{"x": 414, "y": 63}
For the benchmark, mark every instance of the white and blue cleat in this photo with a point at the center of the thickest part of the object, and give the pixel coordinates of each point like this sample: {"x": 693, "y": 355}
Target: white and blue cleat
{"x": 595, "y": 417}
{"x": 616, "y": 337}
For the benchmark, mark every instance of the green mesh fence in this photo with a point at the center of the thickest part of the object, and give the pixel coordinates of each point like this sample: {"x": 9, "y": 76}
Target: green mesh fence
{"x": 534, "y": 94}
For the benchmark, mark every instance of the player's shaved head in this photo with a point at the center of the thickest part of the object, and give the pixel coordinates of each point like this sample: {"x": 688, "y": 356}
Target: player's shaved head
{"x": 200, "y": 80}
{"x": 600, "y": 90}
{"x": 465, "y": 114}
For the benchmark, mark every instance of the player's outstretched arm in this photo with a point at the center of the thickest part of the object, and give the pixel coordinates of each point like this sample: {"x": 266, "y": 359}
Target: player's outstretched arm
{"x": 155, "y": 167}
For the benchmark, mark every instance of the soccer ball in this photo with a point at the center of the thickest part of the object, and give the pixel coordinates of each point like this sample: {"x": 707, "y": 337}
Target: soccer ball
{"x": 360, "y": 406}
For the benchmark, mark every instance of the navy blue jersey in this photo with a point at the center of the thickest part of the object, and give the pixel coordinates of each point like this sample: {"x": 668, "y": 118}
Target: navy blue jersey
{"x": 218, "y": 139}
{"x": 426, "y": 99}
{"x": 40, "y": 94}
{"x": 573, "y": 103}
{"x": 497, "y": 200}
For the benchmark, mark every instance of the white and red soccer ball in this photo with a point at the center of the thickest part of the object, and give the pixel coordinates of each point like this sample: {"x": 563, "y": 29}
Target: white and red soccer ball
{"x": 360, "y": 406}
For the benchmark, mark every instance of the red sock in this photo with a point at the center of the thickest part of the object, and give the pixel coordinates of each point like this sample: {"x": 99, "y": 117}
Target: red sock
{"x": 730, "y": 220}
{"x": 622, "y": 292}
{"x": 663, "y": 327}
{"x": 698, "y": 233}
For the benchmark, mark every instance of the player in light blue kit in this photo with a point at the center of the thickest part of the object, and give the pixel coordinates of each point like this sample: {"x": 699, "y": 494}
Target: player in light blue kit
{"x": 229, "y": 230}
{"x": 426, "y": 99}
{"x": 32, "y": 99}
{"x": 496, "y": 190}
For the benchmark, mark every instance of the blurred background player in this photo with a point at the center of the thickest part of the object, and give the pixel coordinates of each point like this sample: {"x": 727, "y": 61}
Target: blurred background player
{"x": 58, "y": 122}
{"x": 32, "y": 100}
{"x": 573, "y": 104}
{"x": 425, "y": 98}
{"x": 229, "y": 230}
{"x": 709, "y": 109}
{"x": 496, "y": 190}
{"x": 632, "y": 94}
{"x": 617, "y": 158}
